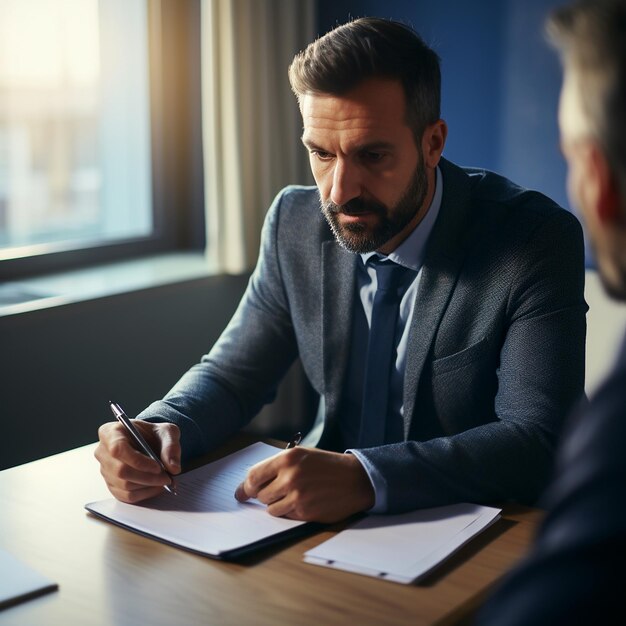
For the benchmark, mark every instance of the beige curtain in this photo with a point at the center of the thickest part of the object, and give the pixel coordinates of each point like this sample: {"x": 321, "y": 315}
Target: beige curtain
{"x": 251, "y": 123}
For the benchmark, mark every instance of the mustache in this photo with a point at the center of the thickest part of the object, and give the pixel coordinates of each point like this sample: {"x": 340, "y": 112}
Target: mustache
{"x": 355, "y": 206}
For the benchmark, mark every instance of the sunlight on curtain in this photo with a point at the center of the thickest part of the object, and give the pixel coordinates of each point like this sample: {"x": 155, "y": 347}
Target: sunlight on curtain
{"x": 251, "y": 123}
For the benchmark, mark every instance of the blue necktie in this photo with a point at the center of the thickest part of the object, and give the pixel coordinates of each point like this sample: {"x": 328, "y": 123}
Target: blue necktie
{"x": 381, "y": 351}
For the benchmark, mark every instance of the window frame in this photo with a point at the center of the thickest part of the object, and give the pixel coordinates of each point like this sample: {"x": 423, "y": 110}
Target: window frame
{"x": 176, "y": 153}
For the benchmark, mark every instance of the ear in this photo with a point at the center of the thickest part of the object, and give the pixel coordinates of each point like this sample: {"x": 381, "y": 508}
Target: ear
{"x": 607, "y": 191}
{"x": 433, "y": 142}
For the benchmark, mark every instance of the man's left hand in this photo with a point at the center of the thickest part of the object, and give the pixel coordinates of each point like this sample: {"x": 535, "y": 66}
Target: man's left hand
{"x": 310, "y": 485}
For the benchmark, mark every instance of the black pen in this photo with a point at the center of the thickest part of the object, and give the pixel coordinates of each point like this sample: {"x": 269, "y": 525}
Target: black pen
{"x": 295, "y": 440}
{"x": 141, "y": 442}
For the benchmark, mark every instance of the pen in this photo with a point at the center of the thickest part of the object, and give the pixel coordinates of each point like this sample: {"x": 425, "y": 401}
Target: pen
{"x": 141, "y": 442}
{"x": 295, "y": 440}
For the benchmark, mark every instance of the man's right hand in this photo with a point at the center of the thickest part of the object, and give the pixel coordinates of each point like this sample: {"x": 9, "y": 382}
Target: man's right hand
{"x": 130, "y": 475}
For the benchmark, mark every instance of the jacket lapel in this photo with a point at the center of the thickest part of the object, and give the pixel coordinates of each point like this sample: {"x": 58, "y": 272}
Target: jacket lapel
{"x": 338, "y": 281}
{"x": 442, "y": 264}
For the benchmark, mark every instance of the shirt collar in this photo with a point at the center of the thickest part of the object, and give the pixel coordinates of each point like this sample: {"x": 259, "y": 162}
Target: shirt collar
{"x": 410, "y": 253}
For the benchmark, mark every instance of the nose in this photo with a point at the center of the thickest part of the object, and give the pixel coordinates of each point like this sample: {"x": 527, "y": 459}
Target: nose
{"x": 346, "y": 182}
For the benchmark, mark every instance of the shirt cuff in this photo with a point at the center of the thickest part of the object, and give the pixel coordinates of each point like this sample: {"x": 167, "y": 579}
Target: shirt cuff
{"x": 379, "y": 484}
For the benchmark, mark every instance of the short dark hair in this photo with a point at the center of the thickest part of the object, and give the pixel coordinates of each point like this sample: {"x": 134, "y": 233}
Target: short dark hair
{"x": 371, "y": 47}
{"x": 591, "y": 37}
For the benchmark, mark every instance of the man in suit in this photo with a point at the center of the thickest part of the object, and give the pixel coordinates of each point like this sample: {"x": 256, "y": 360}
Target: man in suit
{"x": 575, "y": 571}
{"x": 440, "y": 326}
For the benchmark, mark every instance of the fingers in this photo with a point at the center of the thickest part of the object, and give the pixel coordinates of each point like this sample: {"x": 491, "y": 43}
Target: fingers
{"x": 170, "y": 447}
{"x": 310, "y": 485}
{"x": 285, "y": 507}
{"x": 130, "y": 475}
{"x": 260, "y": 480}
{"x": 115, "y": 446}
{"x": 240, "y": 493}
{"x": 134, "y": 495}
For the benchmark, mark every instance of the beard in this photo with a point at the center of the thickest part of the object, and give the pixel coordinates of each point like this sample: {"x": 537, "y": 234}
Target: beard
{"x": 612, "y": 272}
{"x": 616, "y": 291}
{"x": 362, "y": 238}
{"x": 604, "y": 249}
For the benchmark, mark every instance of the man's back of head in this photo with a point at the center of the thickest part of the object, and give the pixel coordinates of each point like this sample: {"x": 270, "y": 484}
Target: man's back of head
{"x": 573, "y": 574}
{"x": 591, "y": 38}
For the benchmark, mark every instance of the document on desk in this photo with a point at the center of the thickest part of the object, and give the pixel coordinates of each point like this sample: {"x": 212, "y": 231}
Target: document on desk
{"x": 19, "y": 582}
{"x": 403, "y": 548}
{"x": 205, "y": 517}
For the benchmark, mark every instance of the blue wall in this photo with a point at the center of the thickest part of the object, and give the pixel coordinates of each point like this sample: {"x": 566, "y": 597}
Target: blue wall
{"x": 500, "y": 80}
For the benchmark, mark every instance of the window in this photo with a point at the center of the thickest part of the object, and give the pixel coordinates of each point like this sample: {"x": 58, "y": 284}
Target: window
{"x": 99, "y": 117}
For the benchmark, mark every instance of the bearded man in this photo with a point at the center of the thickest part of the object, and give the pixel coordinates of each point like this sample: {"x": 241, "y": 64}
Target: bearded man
{"x": 438, "y": 323}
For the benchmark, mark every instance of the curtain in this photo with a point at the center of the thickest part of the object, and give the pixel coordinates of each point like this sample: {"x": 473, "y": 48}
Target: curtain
{"x": 251, "y": 122}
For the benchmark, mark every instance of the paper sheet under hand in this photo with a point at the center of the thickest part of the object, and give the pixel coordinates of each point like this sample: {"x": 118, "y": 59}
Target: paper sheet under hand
{"x": 402, "y": 548}
{"x": 204, "y": 517}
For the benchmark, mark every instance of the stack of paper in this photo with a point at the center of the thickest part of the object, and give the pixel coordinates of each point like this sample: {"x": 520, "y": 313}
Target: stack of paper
{"x": 205, "y": 517}
{"x": 404, "y": 547}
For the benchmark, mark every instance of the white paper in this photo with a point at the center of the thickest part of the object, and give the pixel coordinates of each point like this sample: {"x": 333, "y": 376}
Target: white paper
{"x": 204, "y": 516}
{"x": 18, "y": 581}
{"x": 404, "y": 547}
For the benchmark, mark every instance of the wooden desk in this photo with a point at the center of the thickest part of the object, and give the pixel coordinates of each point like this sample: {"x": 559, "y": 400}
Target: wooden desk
{"x": 110, "y": 576}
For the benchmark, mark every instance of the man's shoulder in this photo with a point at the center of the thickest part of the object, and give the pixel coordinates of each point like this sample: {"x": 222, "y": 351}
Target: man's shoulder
{"x": 492, "y": 189}
{"x": 298, "y": 196}
{"x": 296, "y": 220}
{"x": 509, "y": 207}
{"x": 296, "y": 206}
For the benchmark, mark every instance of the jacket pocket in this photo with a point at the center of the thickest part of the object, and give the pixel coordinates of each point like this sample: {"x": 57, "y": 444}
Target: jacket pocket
{"x": 468, "y": 355}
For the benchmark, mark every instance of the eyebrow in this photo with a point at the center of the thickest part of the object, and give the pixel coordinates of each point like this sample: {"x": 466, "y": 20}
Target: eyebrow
{"x": 309, "y": 144}
{"x": 365, "y": 147}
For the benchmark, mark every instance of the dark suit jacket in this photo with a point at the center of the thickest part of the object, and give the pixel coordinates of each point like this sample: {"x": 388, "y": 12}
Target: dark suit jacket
{"x": 496, "y": 354}
{"x": 576, "y": 572}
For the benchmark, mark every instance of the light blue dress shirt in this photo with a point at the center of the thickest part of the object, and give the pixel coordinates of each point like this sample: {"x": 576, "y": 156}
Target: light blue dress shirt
{"x": 410, "y": 253}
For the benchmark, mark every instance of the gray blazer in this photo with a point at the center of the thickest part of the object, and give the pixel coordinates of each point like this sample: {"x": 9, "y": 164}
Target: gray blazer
{"x": 496, "y": 354}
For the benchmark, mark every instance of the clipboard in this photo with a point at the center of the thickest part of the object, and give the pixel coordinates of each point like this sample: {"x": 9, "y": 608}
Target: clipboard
{"x": 403, "y": 548}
